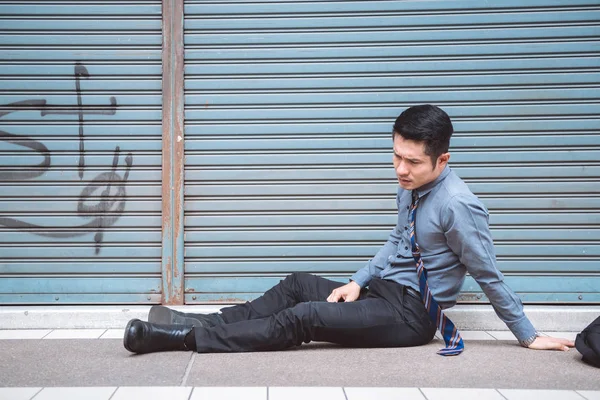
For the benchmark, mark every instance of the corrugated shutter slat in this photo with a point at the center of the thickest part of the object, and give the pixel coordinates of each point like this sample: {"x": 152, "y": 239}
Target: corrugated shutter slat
{"x": 289, "y": 110}
{"x": 80, "y": 151}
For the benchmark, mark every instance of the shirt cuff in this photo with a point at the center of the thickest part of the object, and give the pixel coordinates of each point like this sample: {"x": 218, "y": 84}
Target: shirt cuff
{"x": 522, "y": 329}
{"x": 362, "y": 277}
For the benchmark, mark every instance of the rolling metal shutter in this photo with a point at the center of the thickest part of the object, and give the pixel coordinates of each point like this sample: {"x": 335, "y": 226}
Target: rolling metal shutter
{"x": 289, "y": 109}
{"x": 80, "y": 151}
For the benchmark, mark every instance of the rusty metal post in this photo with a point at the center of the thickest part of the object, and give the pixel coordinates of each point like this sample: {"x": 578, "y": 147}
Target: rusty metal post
{"x": 172, "y": 152}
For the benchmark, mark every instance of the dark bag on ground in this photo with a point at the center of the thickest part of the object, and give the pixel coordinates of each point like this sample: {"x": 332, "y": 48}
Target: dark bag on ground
{"x": 588, "y": 343}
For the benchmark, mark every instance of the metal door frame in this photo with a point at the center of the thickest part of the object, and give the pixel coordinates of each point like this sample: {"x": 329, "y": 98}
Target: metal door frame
{"x": 172, "y": 152}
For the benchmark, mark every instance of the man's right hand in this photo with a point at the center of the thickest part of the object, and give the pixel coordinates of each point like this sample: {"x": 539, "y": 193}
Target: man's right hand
{"x": 349, "y": 292}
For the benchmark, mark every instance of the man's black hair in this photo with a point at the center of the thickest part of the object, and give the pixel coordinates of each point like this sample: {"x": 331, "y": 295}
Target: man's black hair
{"x": 426, "y": 123}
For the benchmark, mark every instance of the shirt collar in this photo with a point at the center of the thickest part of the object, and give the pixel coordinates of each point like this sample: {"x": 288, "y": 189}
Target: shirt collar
{"x": 425, "y": 189}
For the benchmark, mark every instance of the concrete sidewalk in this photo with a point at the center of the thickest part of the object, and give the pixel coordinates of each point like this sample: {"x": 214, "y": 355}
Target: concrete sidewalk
{"x": 52, "y": 358}
{"x": 35, "y": 363}
{"x": 59, "y": 361}
{"x": 288, "y": 393}
{"x": 466, "y": 317}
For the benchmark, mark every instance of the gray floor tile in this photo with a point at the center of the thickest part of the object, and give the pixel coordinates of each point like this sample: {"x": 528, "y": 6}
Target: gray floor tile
{"x": 18, "y": 393}
{"x": 476, "y": 335}
{"x": 590, "y": 394}
{"x": 113, "y": 334}
{"x": 58, "y": 363}
{"x": 502, "y": 335}
{"x": 146, "y": 393}
{"x": 303, "y": 393}
{"x": 524, "y": 394}
{"x": 229, "y": 393}
{"x": 75, "y": 393}
{"x": 379, "y": 393}
{"x": 75, "y": 334}
{"x": 461, "y": 394}
{"x": 484, "y": 364}
{"x": 563, "y": 335}
{"x": 24, "y": 333}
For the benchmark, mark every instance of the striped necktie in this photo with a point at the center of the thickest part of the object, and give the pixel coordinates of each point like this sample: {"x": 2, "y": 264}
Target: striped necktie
{"x": 454, "y": 343}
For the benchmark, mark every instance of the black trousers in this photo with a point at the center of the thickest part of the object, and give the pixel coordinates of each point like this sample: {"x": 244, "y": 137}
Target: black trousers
{"x": 296, "y": 311}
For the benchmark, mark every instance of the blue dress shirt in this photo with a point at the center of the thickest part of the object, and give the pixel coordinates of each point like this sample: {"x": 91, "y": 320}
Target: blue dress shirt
{"x": 452, "y": 230}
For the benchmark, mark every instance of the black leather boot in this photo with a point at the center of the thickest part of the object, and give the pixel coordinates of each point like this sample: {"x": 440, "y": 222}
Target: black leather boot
{"x": 166, "y": 316}
{"x": 143, "y": 337}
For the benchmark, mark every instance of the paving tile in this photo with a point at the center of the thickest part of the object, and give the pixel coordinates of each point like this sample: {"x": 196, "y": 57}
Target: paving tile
{"x": 502, "y": 335}
{"x": 303, "y": 393}
{"x": 379, "y": 393}
{"x": 523, "y": 394}
{"x": 93, "y": 363}
{"x": 24, "y": 333}
{"x": 75, "y": 393}
{"x": 75, "y": 334}
{"x": 484, "y": 364}
{"x": 461, "y": 394}
{"x": 113, "y": 334}
{"x": 18, "y": 393}
{"x": 563, "y": 335}
{"x": 476, "y": 335}
{"x": 229, "y": 393}
{"x": 152, "y": 392}
{"x": 590, "y": 394}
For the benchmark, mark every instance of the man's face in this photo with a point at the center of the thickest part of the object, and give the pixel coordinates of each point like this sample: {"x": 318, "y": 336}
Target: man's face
{"x": 413, "y": 167}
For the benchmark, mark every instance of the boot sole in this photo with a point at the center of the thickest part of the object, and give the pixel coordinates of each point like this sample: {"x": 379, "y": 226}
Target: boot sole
{"x": 160, "y": 315}
{"x": 165, "y": 316}
{"x": 127, "y": 327}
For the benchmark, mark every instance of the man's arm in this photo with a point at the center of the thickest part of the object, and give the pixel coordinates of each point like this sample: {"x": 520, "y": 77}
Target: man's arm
{"x": 363, "y": 276}
{"x": 375, "y": 265}
{"x": 466, "y": 226}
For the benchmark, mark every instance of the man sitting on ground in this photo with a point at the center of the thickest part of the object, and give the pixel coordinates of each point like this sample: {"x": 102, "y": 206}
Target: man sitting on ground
{"x": 396, "y": 300}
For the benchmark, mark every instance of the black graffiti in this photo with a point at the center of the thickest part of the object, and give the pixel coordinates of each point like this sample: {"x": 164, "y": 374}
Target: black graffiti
{"x": 25, "y": 141}
{"x": 110, "y": 207}
{"x": 113, "y": 196}
{"x": 107, "y": 201}
{"x": 82, "y": 72}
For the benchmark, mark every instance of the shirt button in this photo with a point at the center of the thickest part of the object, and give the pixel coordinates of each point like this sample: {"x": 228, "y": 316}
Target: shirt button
{"x": 406, "y": 228}
{"x": 405, "y": 247}
{"x": 407, "y": 207}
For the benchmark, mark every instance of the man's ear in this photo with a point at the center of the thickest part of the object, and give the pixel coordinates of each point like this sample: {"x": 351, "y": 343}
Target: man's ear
{"x": 443, "y": 160}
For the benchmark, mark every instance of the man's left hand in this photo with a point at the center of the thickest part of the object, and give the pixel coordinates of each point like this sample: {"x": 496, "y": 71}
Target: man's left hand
{"x": 550, "y": 343}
